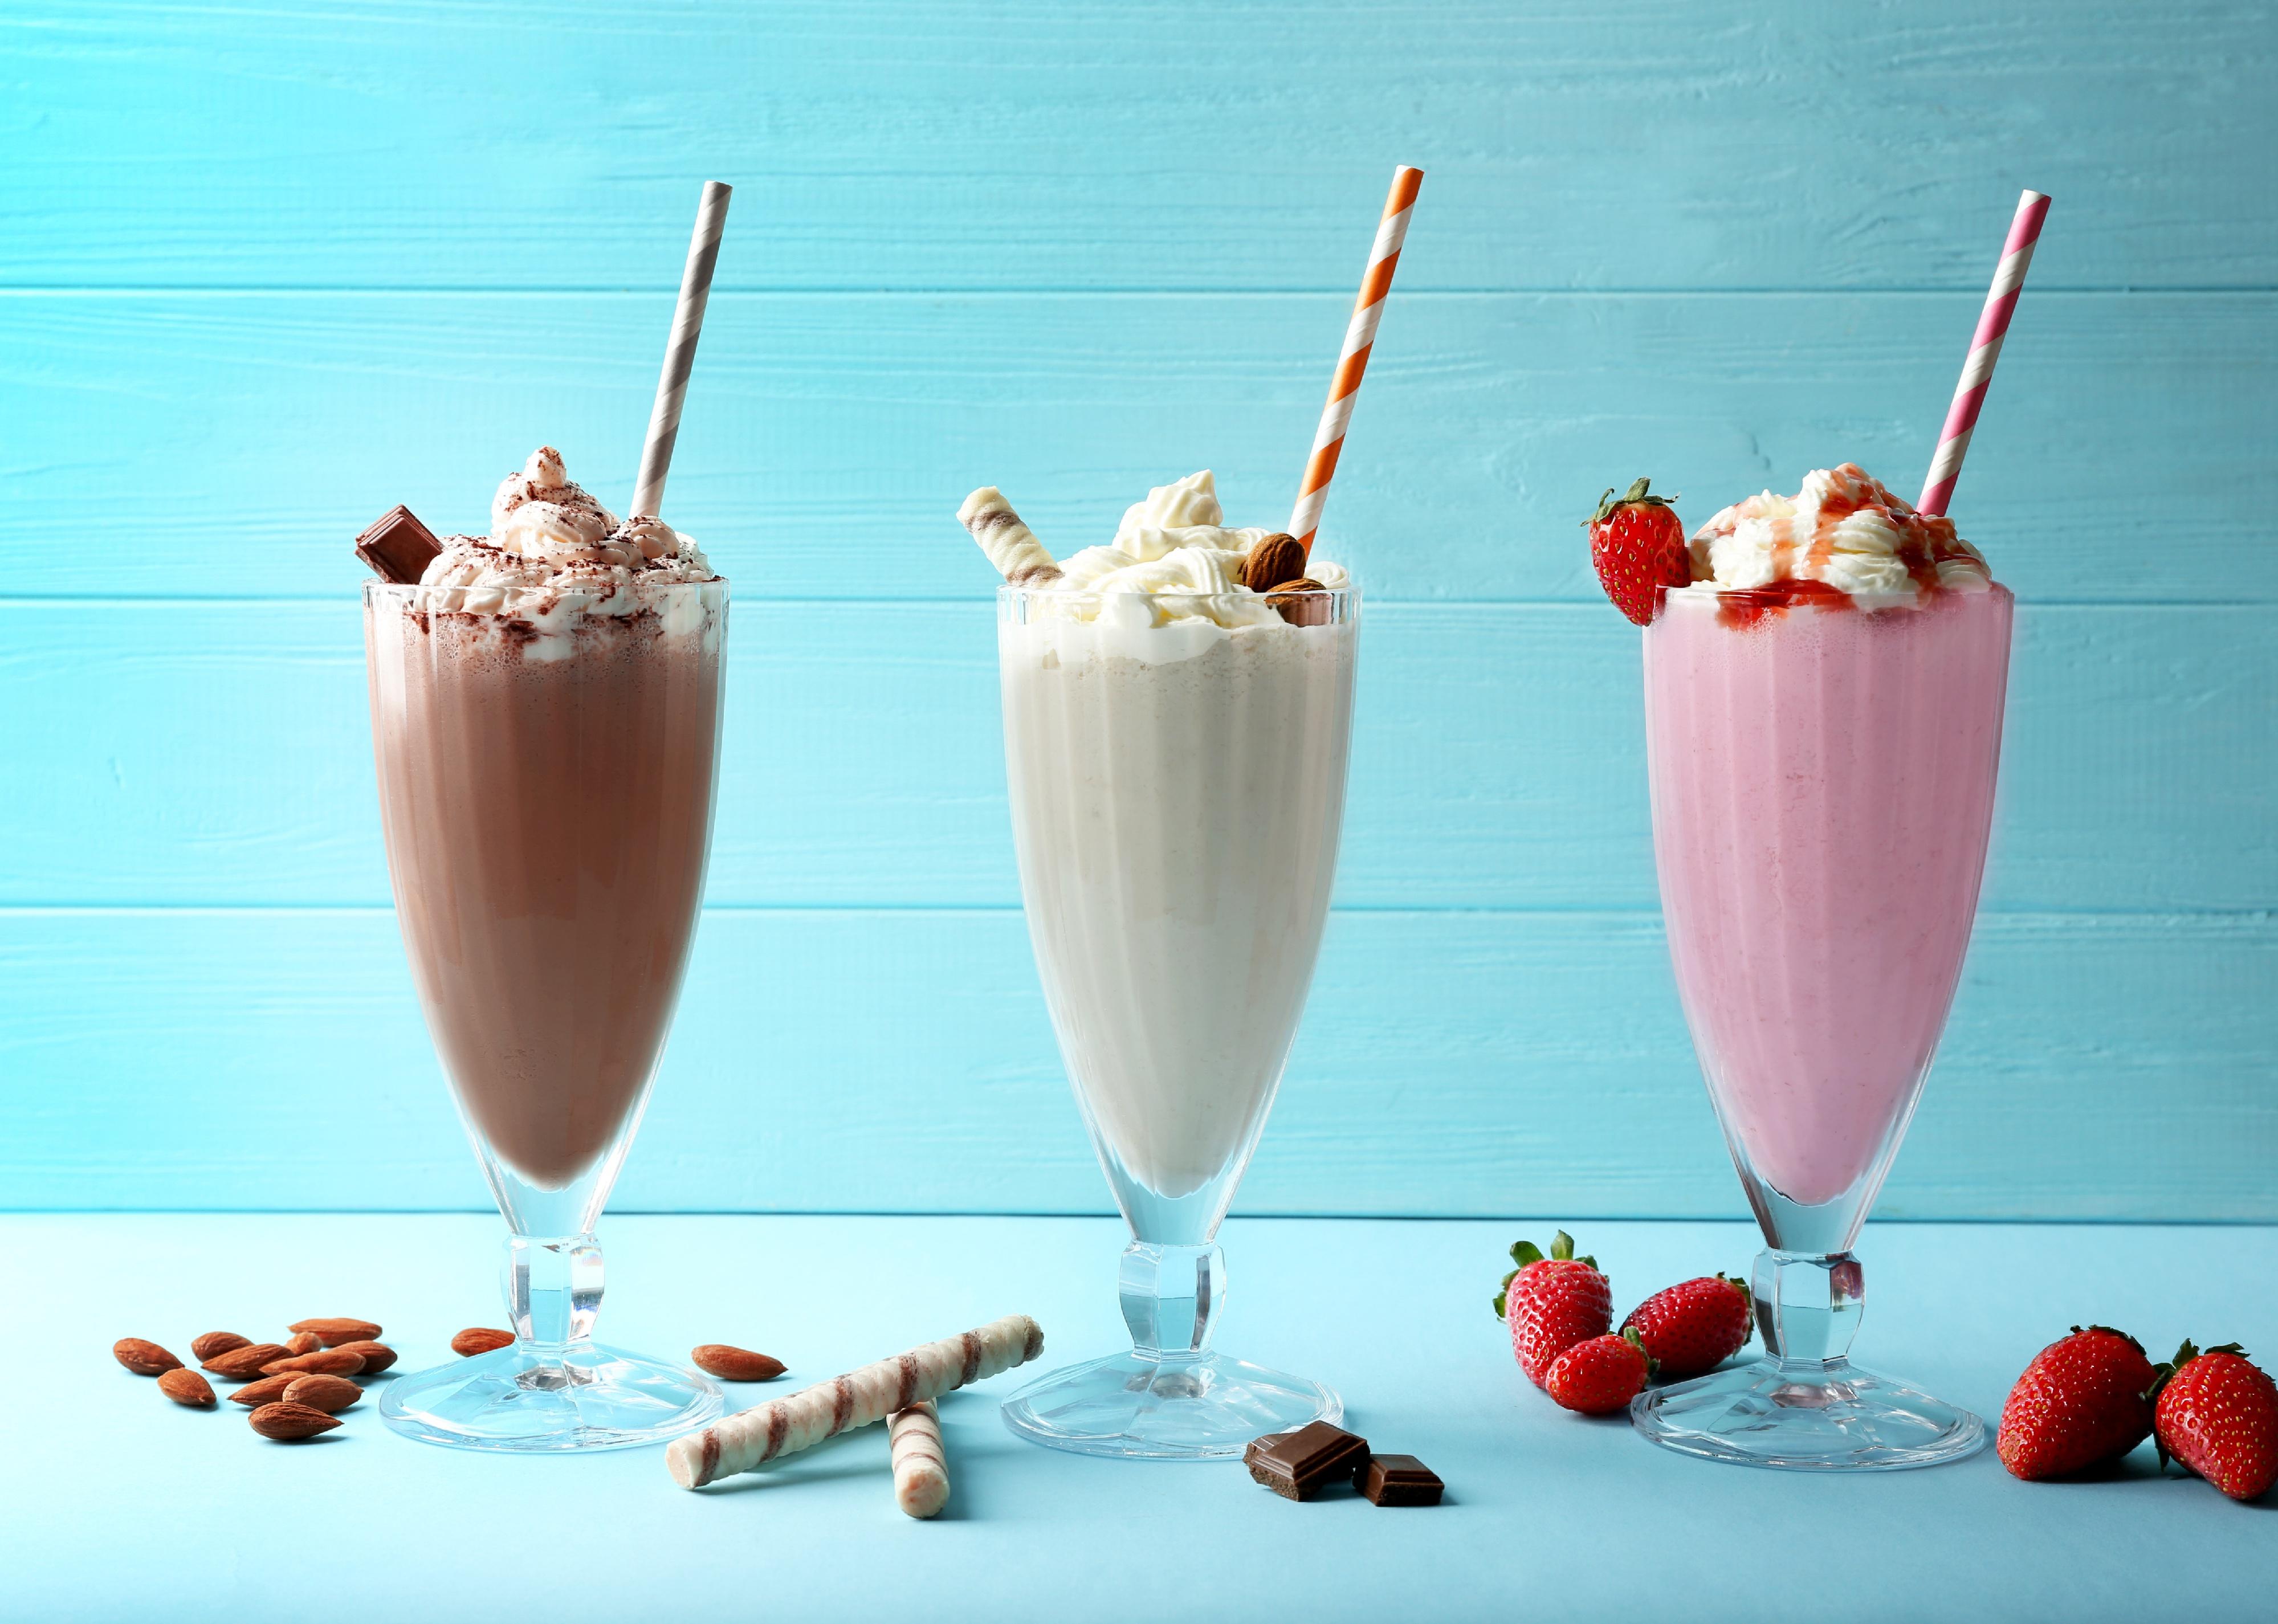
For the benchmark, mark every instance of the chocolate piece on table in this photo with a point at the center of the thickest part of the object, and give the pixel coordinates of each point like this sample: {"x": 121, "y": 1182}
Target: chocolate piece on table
{"x": 398, "y": 547}
{"x": 1399, "y": 1480}
{"x": 1294, "y": 1465}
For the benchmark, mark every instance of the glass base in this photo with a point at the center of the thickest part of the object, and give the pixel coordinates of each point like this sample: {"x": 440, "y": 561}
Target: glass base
{"x": 1203, "y": 1408}
{"x": 582, "y": 1397}
{"x": 1806, "y": 1417}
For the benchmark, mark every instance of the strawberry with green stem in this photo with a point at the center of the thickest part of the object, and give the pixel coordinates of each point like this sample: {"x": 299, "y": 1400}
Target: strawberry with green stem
{"x": 1600, "y": 1375}
{"x": 2079, "y": 1404}
{"x": 2217, "y": 1413}
{"x": 1551, "y": 1303}
{"x": 1693, "y": 1327}
{"x": 1637, "y": 545}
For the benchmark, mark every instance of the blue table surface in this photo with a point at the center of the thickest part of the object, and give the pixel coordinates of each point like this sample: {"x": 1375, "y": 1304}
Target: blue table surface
{"x": 117, "y": 1505}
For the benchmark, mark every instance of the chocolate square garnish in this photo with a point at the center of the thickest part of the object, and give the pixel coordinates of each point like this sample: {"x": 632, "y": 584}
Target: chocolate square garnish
{"x": 1400, "y": 1479}
{"x": 1295, "y": 1465}
{"x": 398, "y": 547}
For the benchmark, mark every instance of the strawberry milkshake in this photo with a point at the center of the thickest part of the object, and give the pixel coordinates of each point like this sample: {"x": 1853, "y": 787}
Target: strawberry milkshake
{"x": 1823, "y": 724}
{"x": 1824, "y": 677}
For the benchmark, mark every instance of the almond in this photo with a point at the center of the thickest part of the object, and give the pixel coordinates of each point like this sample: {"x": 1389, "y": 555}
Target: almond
{"x": 268, "y": 1390}
{"x": 1297, "y": 605}
{"x": 284, "y": 1423}
{"x": 377, "y": 1355}
{"x": 480, "y": 1339}
{"x": 1275, "y": 559}
{"x": 242, "y": 1364}
{"x": 303, "y": 1342}
{"x": 188, "y": 1387}
{"x": 736, "y": 1364}
{"x": 331, "y": 1333}
{"x": 323, "y": 1361}
{"x": 143, "y": 1358}
{"x": 328, "y": 1393}
{"x": 216, "y": 1343}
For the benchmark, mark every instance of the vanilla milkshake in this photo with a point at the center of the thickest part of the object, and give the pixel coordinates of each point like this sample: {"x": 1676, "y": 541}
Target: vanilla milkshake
{"x": 1178, "y": 709}
{"x": 1175, "y": 749}
{"x": 546, "y": 710}
{"x": 1823, "y": 723}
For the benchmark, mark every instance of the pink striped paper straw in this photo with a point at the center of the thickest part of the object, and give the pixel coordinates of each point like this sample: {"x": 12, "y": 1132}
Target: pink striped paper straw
{"x": 1352, "y": 361}
{"x": 1985, "y": 350}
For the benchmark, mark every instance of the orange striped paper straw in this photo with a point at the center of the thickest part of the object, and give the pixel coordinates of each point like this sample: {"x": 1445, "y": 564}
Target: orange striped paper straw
{"x": 1360, "y": 336}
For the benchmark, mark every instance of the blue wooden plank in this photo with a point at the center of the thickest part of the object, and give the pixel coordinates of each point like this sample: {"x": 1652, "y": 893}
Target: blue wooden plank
{"x": 1450, "y": 1064}
{"x": 229, "y": 445}
{"x": 217, "y": 753}
{"x": 1189, "y": 144}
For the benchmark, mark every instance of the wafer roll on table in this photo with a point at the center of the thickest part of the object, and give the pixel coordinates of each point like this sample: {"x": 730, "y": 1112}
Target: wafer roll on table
{"x": 862, "y": 1398}
{"x": 921, "y": 1466}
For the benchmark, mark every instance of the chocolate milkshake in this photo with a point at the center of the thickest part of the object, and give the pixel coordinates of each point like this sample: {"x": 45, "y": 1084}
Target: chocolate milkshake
{"x": 546, "y": 708}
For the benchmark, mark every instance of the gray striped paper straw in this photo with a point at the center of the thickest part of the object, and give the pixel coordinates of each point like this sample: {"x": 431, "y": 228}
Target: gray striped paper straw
{"x": 680, "y": 349}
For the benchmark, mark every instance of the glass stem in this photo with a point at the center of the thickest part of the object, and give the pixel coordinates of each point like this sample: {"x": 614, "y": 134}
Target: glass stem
{"x": 1171, "y": 1297}
{"x": 1808, "y": 1305}
{"x": 552, "y": 1288}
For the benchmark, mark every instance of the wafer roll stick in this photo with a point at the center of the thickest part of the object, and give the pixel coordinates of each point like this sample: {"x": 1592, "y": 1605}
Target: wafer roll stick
{"x": 920, "y": 1469}
{"x": 860, "y": 1399}
{"x": 1011, "y": 547}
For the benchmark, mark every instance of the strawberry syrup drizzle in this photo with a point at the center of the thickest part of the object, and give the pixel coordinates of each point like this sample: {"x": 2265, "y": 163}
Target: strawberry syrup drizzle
{"x": 1744, "y": 609}
{"x": 1923, "y": 544}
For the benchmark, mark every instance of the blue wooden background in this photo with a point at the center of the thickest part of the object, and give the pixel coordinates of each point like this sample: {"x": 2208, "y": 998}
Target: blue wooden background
{"x": 263, "y": 273}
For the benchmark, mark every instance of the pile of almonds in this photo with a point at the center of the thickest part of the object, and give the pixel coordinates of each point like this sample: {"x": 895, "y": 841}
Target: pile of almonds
{"x": 296, "y": 1389}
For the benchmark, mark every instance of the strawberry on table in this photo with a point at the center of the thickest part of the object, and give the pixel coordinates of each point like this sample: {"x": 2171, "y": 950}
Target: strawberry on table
{"x": 2217, "y": 1413}
{"x": 2083, "y": 1402}
{"x": 1551, "y": 1303}
{"x": 1639, "y": 547}
{"x": 1600, "y": 1375}
{"x": 1693, "y": 1327}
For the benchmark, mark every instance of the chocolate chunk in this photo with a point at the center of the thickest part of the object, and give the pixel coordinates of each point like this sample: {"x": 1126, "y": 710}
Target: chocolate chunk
{"x": 1294, "y": 1465}
{"x": 1399, "y": 1480}
{"x": 398, "y": 547}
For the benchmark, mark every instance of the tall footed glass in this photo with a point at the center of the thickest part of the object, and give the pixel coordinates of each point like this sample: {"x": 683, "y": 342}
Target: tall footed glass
{"x": 1823, "y": 791}
{"x": 1177, "y": 793}
{"x": 545, "y": 787}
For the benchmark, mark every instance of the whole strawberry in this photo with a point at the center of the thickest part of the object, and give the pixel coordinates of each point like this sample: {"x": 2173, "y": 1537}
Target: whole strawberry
{"x": 1639, "y": 547}
{"x": 2217, "y": 1413}
{"x": 1551, "y": 1303}
{"x": 2082, "y": 1402}
{"x": 1600, "y": 1376}
{"x": 1691, "y": 1328}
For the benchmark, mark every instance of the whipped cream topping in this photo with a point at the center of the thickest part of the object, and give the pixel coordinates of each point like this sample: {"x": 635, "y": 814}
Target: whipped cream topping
{"x": 1173, "y": 559}
{"x": 1846, "y": 529}
{"x": 555, "y": 555}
